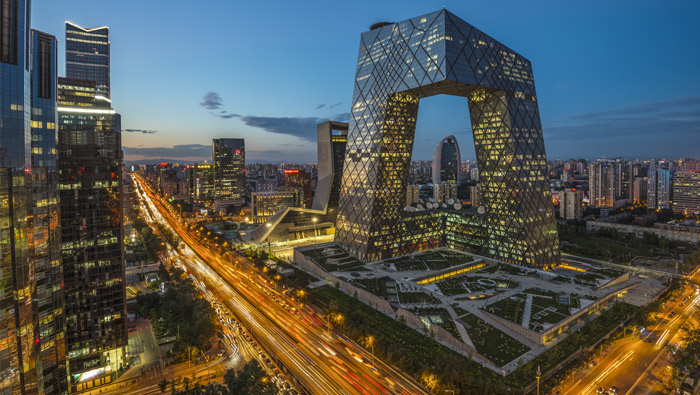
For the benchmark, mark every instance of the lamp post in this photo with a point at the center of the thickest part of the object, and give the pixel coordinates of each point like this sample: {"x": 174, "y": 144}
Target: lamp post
{"x": 314, "y": 220}
{"x": 538, "y": 379}
{"x": 269, "y": 247}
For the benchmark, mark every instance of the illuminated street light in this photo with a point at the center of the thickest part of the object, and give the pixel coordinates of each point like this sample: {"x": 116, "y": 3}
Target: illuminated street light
{"x": 314, "y": 219}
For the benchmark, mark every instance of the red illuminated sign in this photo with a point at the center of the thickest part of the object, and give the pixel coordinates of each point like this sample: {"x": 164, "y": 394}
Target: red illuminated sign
{"x": 291, "y": 171}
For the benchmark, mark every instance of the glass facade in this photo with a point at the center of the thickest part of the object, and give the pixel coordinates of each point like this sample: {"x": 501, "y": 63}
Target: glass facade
{"x": 438, "y": 53}
{"x": 87, "y": 55}
{"x": 200, "y": 182}
{"x": 18, "y": 368}
{"x": 446, "y": 162}
{"x": 48, "y": 300}
{"x": 229, "y": 168}
{"x": 90, "y": 165}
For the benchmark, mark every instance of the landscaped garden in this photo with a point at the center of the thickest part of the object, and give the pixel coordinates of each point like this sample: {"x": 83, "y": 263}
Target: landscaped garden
{"x": 431, "y": 260}
{"x": 377, "y": 286}
{"x": 439, "y": 317}
{"x": 333, "y": 259}
{"x": 490, "y": 342}
{"x": 511, "y": 308}
{"x": 417, "y": 297}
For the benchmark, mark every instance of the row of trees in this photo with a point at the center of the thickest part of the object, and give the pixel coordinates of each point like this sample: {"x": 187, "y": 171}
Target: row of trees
{"x": 179, "y": 312}
{"x": 251, "y": 380}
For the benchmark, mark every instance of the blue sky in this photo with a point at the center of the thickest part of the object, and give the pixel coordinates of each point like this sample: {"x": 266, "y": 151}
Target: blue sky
{"x": 614, "y": 78}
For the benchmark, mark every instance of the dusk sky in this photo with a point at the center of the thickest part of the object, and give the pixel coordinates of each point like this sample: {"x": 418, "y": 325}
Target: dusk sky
{"x": 614, "y": 78}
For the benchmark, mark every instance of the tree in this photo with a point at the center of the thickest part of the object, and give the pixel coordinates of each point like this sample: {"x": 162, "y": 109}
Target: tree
{"x": 251, "y": 380}
{"x": 163, "y": 385}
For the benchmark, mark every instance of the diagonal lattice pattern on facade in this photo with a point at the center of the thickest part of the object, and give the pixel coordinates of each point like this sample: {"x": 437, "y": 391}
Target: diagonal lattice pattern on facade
{"x": 438, "y": 53}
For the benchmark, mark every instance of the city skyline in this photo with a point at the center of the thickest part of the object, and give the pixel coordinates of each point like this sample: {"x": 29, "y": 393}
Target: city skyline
{"x": 571, "y": 57}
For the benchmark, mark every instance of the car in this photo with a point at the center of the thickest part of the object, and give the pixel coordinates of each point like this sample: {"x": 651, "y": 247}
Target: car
{"x": 601, "y": 390}
{"x": 614, "y": 389}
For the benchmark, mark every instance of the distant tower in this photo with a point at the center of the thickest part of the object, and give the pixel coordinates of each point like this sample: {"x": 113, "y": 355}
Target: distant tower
{"x": 87, "y": 55}
{"x": 446, "y": 162}
{"x": 229, "y": 168}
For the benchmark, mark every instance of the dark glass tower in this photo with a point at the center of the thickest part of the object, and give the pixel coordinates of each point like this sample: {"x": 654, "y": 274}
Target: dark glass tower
{"x": 90, "y": 165}
{"x": 49, "y": 327}
{"x": 87, "y": 55}
{"x": 446, "y": 162}
{"x": 18, "y": 367}
{"x": 438, "y": 53}
{"x": 229, "y": 168}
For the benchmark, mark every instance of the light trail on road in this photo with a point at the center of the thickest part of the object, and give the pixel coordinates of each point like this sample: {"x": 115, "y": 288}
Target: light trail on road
{"x": 296, "y": 338}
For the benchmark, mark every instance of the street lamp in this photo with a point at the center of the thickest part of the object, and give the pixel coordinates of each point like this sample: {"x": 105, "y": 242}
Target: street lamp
{"x": 370, "y": 341}
{"x": 314, "y": 220}
{"x": 269, "y": 247}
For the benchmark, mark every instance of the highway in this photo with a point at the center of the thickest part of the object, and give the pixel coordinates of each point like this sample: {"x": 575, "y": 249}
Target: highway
{"x": 628, "y": 365}
{"x": 316, "y": 358}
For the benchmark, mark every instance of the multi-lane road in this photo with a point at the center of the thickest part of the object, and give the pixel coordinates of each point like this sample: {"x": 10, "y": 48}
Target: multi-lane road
{"x": 628, "y": 365}
{"x": 313, "y": 356}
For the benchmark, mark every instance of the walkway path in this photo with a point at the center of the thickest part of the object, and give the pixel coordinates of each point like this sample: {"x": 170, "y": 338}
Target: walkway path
{"x": 526, "y": 312}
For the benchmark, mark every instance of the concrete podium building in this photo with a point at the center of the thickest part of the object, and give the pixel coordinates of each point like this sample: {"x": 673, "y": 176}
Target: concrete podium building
{"x": 438, "y": 53}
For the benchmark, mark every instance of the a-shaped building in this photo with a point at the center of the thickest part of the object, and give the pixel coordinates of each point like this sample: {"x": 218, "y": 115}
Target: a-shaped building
{"x": 293, "y": 223}
{"x": 438, "y": 53}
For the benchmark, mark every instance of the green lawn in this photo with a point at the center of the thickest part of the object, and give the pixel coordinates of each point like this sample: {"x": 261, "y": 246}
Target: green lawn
{"x": 511, "y": 308}
{"x": 490, "y": 342}
{"x": 417, "y": 297}
{"x": 447, "y": 323}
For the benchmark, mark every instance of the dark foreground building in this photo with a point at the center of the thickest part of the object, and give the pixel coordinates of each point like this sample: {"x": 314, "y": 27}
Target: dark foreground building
{"x": 438, "y": 53}
{"x": 89, "y": 149}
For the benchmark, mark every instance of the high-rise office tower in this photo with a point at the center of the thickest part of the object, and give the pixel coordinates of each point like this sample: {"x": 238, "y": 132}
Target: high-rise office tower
{"x": 87, "y": 56}
{"x": 229, "y": 168}
{"x": 49, "y": 326}
{"x": 686, "y": 192}
{"x": 18, "y": 367}
{"x": 570, "y": 204}
{"x": 90, "y": 169}
{"x": 439, "y": 53}
{"x": 412, "y": 194}
{"x": 200, "y": 182}
{"x": 446, "y": 162}
{"x": 474, "y": 174}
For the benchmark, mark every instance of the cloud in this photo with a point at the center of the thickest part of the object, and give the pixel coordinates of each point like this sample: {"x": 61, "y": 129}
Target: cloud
{"x": 676, "y": 116}
{"x": 320, "y": 106}
{"x": 641, "y": 130}
{"x": 344, "y": 117}
{"x": 302, "y": 127}
{"x": 334, "y": 105}
{"x": 184, "y": 151}
{"x": 211, "y": 101}
{"x": 144, "y": 131}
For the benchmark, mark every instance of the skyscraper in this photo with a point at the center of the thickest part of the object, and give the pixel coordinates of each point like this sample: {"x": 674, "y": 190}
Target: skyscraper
{"x": 49, "y": 327}
{"x": 90, "y": 169}
{"x": 18, "y": 368}
{"x": 87, "y": 56}
{"x": 446, "y": 162}
{"x": 439, "y": 53}
{"x": 229, "y": 168}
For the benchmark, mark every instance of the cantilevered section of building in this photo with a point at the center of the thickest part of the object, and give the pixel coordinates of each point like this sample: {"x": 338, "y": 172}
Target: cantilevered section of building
{"x": 293, "y": 223}
{"x": 439, "y": 53}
